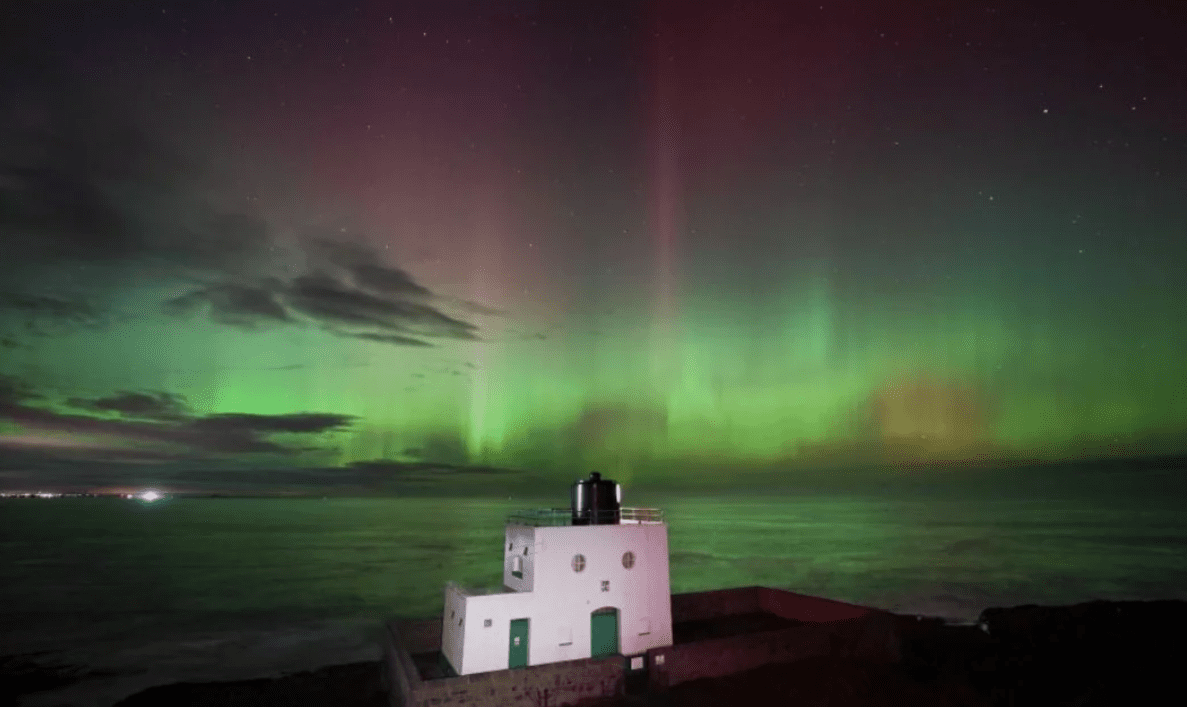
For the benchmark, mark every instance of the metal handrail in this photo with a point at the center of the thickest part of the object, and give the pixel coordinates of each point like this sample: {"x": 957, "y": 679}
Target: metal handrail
{"x": 642, "y": 515}
{"x": 564, "y": 516}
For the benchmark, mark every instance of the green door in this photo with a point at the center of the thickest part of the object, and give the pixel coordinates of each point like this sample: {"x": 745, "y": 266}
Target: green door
{"x": 603, "y": 632}
{"x": 518, "y": 656}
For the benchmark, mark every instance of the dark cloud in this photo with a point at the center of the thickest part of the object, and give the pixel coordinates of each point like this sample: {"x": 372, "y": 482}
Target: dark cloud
{"x": 296, "y": 423}
{"x": 221, "y": 242}
{"x": 284, "y": 480}
{"x": 389, "y": 339}
{"x": 427, "y": 470}
{"x": 322, "y": 298}
{"x": 361, "y": 267}
{"x": 66, "y": 216}
{"x": 85, "y": 467}
{"x": 68, "y": 153}
{"x": 475, "y": 308}
{"x": 81, "y": 181}
{"x": 38, "y": 311}
{"x": 156, "y": 423}
{"x": 47, "y": 421}
{"x": 32, "y": 470}
{"x": 93, "y": 204}
{"x": 13, "y": 390}
{"x": 351, "y": 286}
{"x": 325, "y": 300}
{"x": 386, "y": 280}
{"x": 145, "y": 405}
{"x": 100, "y": 469}
{"x": 233, "y": 305}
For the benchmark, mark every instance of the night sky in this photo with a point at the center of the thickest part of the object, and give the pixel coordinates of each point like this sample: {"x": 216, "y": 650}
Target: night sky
{"x": 277, "y": 245}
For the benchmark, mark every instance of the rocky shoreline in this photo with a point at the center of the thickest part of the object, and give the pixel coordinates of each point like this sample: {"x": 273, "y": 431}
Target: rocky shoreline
{"x": 1096, "y": 653}
{"x": 352, "y": 685}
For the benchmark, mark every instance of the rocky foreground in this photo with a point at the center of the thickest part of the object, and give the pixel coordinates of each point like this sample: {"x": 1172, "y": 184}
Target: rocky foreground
{"x": 1098, "y": 653}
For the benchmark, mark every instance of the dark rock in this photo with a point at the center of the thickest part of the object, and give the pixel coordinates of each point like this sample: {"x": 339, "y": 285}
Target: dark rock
{"x": 28, "y": 673}
{"x": 356, "y": 684}
{"x": 1097, "y": 653}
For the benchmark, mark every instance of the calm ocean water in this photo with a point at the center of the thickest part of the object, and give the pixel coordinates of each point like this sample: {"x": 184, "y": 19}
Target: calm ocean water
{"x": 214, "y": 589}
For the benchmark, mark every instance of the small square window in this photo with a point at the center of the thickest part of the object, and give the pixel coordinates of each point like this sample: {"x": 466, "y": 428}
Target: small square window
{"x": 459, "y": 621}
{"x": 509, "y": 547}
{"x": 605, "y": 585}
{"x": 452, "y": 614}
{"x": 486, "y": 623}
{"x": 525, "y": 550}
{"x": 578, "y": 563}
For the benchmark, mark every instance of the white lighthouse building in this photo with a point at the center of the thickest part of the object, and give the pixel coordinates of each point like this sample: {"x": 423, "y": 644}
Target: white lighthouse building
{"x": 586, "y": 581}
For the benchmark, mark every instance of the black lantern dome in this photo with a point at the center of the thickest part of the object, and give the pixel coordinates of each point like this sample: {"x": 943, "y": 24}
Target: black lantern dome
{"x": 596, "y": 501}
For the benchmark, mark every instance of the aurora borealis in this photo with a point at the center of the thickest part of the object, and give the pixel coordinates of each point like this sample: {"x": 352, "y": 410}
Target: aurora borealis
{"x": 244, "y": 243}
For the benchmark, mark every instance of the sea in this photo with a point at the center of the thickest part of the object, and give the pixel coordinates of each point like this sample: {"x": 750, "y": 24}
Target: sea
{"x": 123, "y": 595}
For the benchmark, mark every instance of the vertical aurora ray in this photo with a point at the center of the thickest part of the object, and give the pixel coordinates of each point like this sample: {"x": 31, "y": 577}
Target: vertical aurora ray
{"x": 480, "y": 427}
{"x": 664, "y": 191}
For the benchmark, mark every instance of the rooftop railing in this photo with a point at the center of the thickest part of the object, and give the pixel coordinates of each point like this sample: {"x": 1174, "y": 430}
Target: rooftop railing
{"x": 539, "y": 517}
{"x": 476, "y": 591}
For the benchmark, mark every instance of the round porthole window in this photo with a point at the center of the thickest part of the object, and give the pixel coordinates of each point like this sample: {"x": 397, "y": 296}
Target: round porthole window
{"x": 578, "y": 563}
{"x": 628, "y": 560}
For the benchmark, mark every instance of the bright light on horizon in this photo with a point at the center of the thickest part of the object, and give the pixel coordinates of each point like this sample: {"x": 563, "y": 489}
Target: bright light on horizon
{"x": 150, "y": 495}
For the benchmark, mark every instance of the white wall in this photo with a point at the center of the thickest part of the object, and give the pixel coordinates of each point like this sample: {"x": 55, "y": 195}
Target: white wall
{"x": 642, "y": 592}
{"x": 487, "y": 647}
{"x": 517, "y": 539}
{"x": 452, "y": 641}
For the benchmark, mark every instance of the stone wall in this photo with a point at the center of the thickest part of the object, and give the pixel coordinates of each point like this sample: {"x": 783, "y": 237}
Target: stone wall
{"x": 711, "y": 604}
{"x": 400, "y": 676}
{"x": 549, "y": 685}
{"x": 802, "y": 607}
{"x": 872, "y": 638}
{"x": 726, "y": 656}
{"x": 421, "y": 635}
